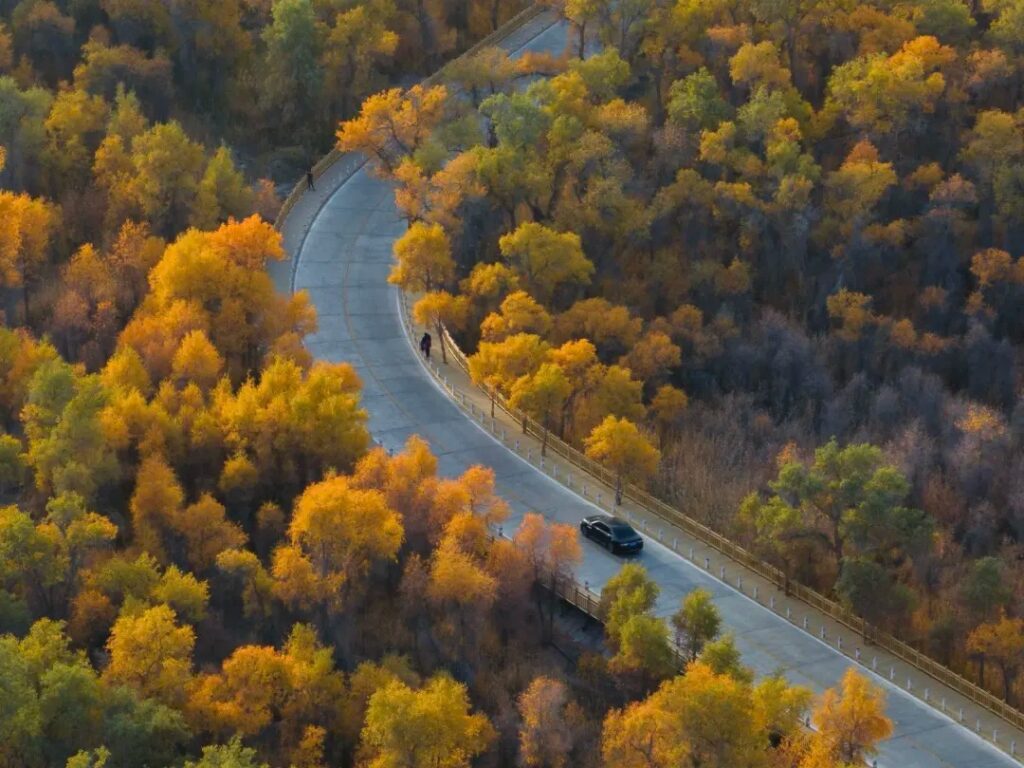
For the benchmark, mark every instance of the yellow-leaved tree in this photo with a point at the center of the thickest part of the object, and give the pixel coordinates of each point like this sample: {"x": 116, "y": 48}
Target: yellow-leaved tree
{"x": 150, "y": 652}
{"x": 27, "y": 225}
{"x": 519, "y": 313}
{"x": 424, "y": 259}
{"x": 336, "y": 533}
{"x": 708, "y": 719}
{"x": 621, "y": 447}
{"x": 216, "y": 282}
{"x": 542, "y": 395}
{"x": 498, "y": 365}
{"x": 440, "y": 310}
{"x": 295, "y": 425}
{"x": 430, "y": 727}
{"x": 260, "y": 687}
{"x": 545, "y": 259}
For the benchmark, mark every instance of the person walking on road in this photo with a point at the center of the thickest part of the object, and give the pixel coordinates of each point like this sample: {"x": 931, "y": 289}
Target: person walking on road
{"x": 425, "y": 345}
{"x": 309, "y": 181}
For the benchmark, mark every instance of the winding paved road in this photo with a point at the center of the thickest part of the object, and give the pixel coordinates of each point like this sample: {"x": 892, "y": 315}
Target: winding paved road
{"x": 340, "y": 238}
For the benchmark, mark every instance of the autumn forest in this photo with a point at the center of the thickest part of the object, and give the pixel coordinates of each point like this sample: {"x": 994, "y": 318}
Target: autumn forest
{"x": 764, "y": 258}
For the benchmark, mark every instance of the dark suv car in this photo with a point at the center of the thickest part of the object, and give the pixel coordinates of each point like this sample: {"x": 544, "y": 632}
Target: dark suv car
{"x": 616, "y": 535}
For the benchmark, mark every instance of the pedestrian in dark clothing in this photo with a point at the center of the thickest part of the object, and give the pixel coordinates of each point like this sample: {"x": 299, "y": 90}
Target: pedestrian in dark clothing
{"x": 309, "y": 180}
{"x": 425, "y": 345}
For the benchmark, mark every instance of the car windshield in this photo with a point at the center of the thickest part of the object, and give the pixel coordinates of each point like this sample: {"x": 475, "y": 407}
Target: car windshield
{"x": 623, "y": 532}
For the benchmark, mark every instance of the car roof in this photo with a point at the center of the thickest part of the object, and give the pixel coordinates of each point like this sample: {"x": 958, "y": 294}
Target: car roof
{"x": 606, "y": 519}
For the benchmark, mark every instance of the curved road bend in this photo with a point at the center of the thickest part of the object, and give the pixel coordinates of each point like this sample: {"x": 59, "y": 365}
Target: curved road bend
{"x": 340, "y": 238}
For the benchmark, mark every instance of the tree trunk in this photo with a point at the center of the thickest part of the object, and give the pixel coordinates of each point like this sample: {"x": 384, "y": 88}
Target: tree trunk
{"x": 837, "y": 542}
{"x": 618, "y": 490}
{"x": 552, "y": 601}
{"x": 538, "y": 592}
{"x": 440, "y": 342}
{"x": 659, "y": 107}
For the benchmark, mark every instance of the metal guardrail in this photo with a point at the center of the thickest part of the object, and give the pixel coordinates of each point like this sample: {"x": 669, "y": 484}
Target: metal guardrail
{"x": 327, "y": 161}
{"x": 716, "y": 541}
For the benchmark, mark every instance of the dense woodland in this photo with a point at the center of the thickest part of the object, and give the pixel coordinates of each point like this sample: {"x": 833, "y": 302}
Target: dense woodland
{"x": 204, "y": 562}
{"x": 766, "y": 257}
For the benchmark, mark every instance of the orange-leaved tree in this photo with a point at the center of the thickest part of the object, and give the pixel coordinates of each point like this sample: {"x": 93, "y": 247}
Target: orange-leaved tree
{"x": 852, "y": 721}
{"x": 392, "y": 125}
{"x": 1002, "y": 642}
{"x": 553, "y": 550}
